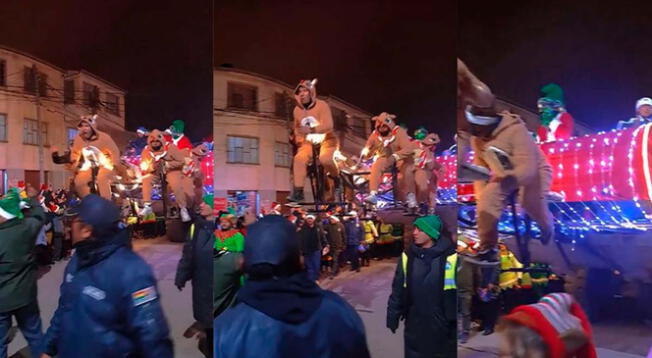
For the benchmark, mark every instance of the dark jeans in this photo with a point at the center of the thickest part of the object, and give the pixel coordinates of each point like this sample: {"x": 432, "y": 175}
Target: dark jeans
{"x": 335, "y": 264}
{"x": 353, "y": 255}
{"x": 312, "y": 261}
{"x": 29, "y": 323}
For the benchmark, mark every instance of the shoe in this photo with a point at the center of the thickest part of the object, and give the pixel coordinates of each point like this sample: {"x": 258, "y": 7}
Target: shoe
{"x": 463, "y": 337}
{"x": 297, "y": 195}
{"x": 185, "y": 217}
{"x": 488, "y": 332}
{"x": 484, "y": 257}
{"x": 412, "y": 201}
{"x": 371, "y": 199}
{"x": 145, "y": 210}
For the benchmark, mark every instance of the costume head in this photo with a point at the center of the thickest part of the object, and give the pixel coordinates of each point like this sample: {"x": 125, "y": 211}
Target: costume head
{"x": 177, "y": 128}
{"x": 384, "y": 123}
{"x": 87, "y": 126}
{"x": 551, "y": 103}
{"x": 10, "y": 206}
{"x": 310, "y": 85}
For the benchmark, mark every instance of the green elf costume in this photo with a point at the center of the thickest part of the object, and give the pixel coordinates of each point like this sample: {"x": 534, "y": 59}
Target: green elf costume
{"x": 556, "y": 123}
{"x": 227, "y": 272}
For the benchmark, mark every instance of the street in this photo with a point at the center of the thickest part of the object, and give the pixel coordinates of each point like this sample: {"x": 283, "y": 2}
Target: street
{"x": 163, "y": 256}
{"x": 368, "y": 291}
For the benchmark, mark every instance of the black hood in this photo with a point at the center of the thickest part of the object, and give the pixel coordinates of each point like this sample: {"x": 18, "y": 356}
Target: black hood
{"x": 293, "y": 299}
{"x": 94, "y": 250}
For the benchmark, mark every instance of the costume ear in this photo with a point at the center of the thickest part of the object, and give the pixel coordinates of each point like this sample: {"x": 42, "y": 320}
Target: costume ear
{"x": 313, "y": 82}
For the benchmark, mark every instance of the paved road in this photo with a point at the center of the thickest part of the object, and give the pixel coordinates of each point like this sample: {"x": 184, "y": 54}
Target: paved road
{"x": 368, "y": 291}
{"x": 163, "y": 256}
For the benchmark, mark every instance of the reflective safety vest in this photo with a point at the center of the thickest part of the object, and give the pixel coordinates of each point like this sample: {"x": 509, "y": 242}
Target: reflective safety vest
{"x": 449, "y": 273}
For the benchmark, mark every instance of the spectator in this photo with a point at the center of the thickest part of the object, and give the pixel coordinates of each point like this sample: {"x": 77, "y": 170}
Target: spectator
{"x": 335, "y": 232}
{"x": 418, "y": 292}
{"x": 370, "y": 236}
{"x": 18, "y": 274}
{"x": 354, "y": 237}
{"x": 310, "y": 239}
{"x": 196, "y": 266}
{"x": 227, "y": 273}
{"x": 107, "y": 288}
{"x": 300, "y": 319}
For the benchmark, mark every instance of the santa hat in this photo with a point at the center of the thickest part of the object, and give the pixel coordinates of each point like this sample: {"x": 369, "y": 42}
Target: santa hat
{"x": 276, "y": 206}
{"x": 10, "y": 206}
{"x": 554, "y": 315}
{"x": 334, "y": 218}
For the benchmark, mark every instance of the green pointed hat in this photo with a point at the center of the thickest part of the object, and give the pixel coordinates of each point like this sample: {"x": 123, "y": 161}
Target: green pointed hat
{"x": 420, "y": 133}
{"x": 553, "y": 92}
{"x": 10, "y": 206}
{"x": 178, "y": 126}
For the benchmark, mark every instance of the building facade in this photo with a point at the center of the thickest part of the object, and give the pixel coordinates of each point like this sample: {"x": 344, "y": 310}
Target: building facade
{"x": 40, "y": 105}
{"x": 252, "y": 122}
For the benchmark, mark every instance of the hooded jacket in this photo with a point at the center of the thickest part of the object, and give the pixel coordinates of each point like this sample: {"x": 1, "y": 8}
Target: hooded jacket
{"x": 98, "y": 139}
{"x": 318, "y": 109}
{"x": 512, "y": 137}
{"x": 109, "y": 305}
{"x": 397, "y": 142}
{"x": 289, "y": 317}
{"x": 17, "y": 265}
{"x": 196, "y": 265}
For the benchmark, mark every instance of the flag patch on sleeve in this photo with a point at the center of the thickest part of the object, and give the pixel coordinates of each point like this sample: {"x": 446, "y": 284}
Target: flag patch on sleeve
{"x": 143, "y": 296}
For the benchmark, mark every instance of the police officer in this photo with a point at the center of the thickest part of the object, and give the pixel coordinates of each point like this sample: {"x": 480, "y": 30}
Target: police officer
{"x": 109, "y": 305}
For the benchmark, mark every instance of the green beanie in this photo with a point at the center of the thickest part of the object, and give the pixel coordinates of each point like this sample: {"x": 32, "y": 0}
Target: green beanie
{"x": 553, "y": 92}
{"x": 10, "y": 206}
{"x": 430, "y": 224}
{"x": 420, "y": 133}
{"x": 178, "y": 126}
{"x": 209, "y": 200}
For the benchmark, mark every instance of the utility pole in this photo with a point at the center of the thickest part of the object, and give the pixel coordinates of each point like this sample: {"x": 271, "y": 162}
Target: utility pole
{"x": 41, "y": 171}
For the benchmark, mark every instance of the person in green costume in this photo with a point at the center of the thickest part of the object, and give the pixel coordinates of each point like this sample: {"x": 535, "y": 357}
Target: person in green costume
{"x": 227, "y": 264}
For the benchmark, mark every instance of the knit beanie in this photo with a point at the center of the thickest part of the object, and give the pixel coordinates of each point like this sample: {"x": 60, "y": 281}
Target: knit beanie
{"x": 209, "y": 200}
{"x": 554, "y": 315}
{"x": 10, "y": 206}
{"x": 430, "y": 224}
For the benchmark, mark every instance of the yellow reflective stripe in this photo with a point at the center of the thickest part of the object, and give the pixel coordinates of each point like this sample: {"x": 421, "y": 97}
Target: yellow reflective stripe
{"x": 404, "y": 259}
{"x": 192, "y": 231}
{"x": 449, "y": 275}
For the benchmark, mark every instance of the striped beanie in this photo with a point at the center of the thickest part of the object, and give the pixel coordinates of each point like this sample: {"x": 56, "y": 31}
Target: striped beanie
{"x": 555, "y": 314}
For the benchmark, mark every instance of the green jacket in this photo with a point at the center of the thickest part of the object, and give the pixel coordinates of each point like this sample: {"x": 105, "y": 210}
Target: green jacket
{"x": 18, "y": 269}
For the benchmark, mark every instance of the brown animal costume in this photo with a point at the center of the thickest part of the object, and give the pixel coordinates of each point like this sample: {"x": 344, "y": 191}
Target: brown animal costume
{"x": 531, "y": 176}
{"x": 98, "y": 147}
{"x": 193, "y": 179}
{"x": 173, "y": 161}
{"x": 424, "y": 166}
{"x": 312, "y": 122}
{"x": 395, "y": 147}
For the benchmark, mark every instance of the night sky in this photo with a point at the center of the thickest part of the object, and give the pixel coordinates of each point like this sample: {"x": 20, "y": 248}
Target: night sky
{"x": 159, "y": 51}
{"x": 600, "y": 53}
{"x": 378, "y": 55}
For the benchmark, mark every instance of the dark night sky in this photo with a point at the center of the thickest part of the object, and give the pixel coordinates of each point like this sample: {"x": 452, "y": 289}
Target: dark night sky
{"x": 159, "y": 51}
{"x": 377, "y": 55}
{"x": 599, "y": 52}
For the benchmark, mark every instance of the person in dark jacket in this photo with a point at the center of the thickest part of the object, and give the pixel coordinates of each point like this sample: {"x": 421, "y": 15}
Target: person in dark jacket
{"x": 18, "y": 273}
{"x": 310, "y": 239}
{"x": 196, "y": 265}
{"x": 354, "y": 237}
{"x": 418, "y": 293}
{"x": 335, "y": 233}
{"x": 109, "y": 305}
{"x": 279, "y": 311}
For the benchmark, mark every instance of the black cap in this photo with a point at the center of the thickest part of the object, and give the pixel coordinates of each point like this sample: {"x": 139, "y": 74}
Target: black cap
{"x": 272, "y": 240}
{"x": 96, "y": 211}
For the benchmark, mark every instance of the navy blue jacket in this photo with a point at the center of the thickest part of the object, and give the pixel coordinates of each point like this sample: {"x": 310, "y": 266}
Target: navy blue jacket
{"x": 334, "y": 330}
{"x": 109, "y": 305}
{"x": 354, "y": 233}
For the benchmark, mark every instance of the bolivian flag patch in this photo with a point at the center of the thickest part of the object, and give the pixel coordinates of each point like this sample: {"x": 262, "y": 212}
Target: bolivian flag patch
{"x": 143, "y": 296}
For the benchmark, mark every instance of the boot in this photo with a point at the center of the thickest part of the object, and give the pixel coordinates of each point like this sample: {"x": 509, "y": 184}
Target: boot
{"x": 412, "y": 201}
{"x": 185, "y": 217}
{"x": 297, "y": 195}
{"x": 371, "y": 198}
{"x": 145, "y": 210}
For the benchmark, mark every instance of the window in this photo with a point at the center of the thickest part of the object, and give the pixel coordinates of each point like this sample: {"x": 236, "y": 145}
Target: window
{"x": 241, "y": 96}
{"x": 3, "y": 72}
{"x": 339, "y": 119}
{"x": 113, "y": 104}
{"x": 42, "y": 84}
{"x": 29, "y": 80}
{"x": 358, "y": 127}
{"x": 30, "y": 132}
{"x": 3, "y": 127}
{"x": 282, "y": 155}
{"x": 242, "y": 150}
{"x": 281, "y": 109}
{"x": 69, "y": 92}
{"x": 72, "y": 133}
{"x": 91, "y": 95}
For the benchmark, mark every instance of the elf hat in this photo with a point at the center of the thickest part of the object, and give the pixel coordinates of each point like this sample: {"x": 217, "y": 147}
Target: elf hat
{"x": 177, "y": 127}
{"x": 555, "y": 315}
{"x": 10, "y": 206}
{"x": 430, "y": 224}
{"x": 230, "y": 217}
{"x": 276, "y": 206}
{"x": 209, "y": 200}
{"x": 643, "y": 101}
{"x": 420, "y": 133}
